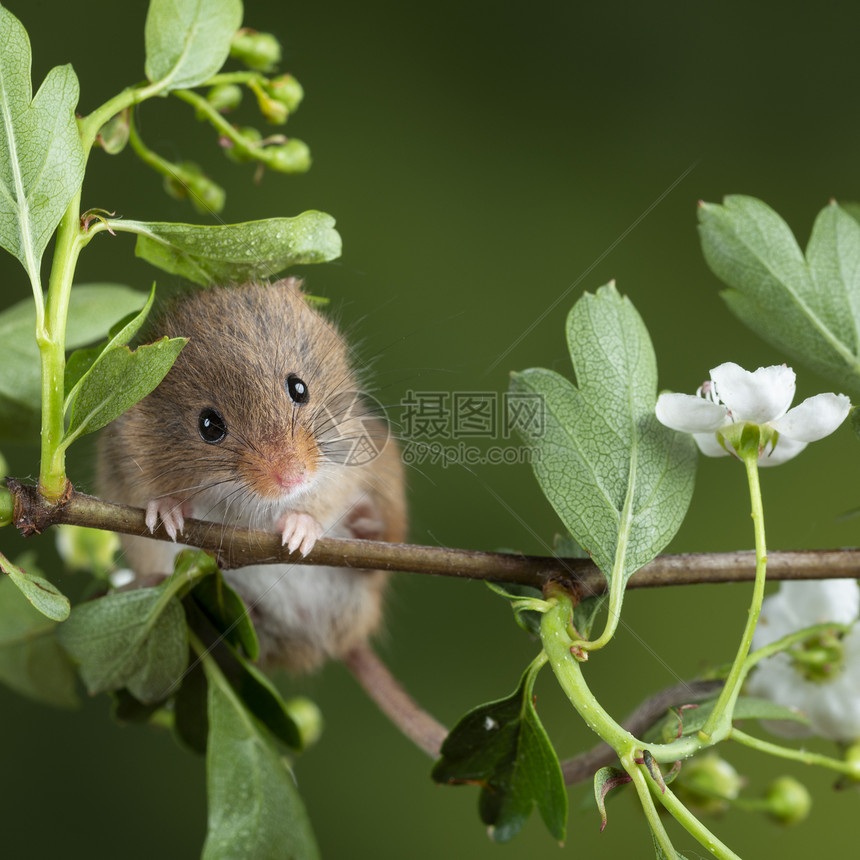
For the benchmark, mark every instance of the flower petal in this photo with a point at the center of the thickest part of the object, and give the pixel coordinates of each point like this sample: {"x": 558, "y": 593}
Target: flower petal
{"x": 709, "y": 445}
{"x": 815, "y": 418}
{"x": 815, "y": 602}
{"x": 760, "y": 397}
{"x": 834, "y": 710}
{"x": 689, "y": 414}
{"x": 785, "y": 450}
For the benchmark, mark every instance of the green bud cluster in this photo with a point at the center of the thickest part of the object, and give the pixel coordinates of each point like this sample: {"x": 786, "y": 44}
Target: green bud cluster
{"x": 258, "y": 51}
{"x": 224, "y": 98}
{"x": 189, "y": 181}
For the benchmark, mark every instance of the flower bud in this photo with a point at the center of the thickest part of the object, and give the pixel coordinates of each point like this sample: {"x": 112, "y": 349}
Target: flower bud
{"x": 291, "y": 157}
{"x": 308, "y": 719}
{"x": 239, "y": 154}
{"x": 113, "y": 135}
{"x": 789, "y": 801}
{"x": 708, "y": 782}
{"x": 188, "y": 180}
{"x": 258, "y": 51}
{"x": 87, "y": 550}
{"x": 273, "y": 111}
{"x": 286, "y": 90}
{"x": 852, "y": 757}
{"x": 206, "y": 196}
{"x": 225, "y": 97}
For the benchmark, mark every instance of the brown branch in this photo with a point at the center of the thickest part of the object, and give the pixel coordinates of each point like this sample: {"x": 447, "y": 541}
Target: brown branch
{"x": 237, "y": 547}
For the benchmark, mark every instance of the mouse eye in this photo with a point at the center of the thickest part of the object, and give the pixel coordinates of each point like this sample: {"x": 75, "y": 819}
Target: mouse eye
{"x": 297, "y": 389}
{"x": 211, "y": 426}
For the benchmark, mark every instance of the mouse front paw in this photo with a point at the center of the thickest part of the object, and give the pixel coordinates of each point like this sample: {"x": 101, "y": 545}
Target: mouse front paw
{"x": 170, "y": 511}
{"x": 299, "y": 531}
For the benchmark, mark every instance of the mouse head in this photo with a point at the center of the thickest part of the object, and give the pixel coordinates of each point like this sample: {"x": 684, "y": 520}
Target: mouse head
{"x": 262, "y": 398}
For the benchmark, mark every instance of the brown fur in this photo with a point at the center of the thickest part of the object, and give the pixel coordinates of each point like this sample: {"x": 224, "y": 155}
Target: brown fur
{"x": 244, "y": 343}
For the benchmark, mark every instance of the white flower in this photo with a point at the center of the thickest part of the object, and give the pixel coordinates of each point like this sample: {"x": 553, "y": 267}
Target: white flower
{"x": 734, "y": 396}
{"x": 827, "y": 693}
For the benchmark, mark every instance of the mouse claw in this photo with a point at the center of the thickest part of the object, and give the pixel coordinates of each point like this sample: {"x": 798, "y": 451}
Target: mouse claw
{"x": 171, "y": 513}
{"x": 299, "y": 531}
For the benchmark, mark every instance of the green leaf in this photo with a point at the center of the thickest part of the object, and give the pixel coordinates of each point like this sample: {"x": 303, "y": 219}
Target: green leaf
{"x": 93, "y": 308}
{"x": 807, "y": 307}
{"x": 41, "y": 157}
{"x": 77, "y": 366}
{"x": 237, "y": 253}
{"x": 503, "y": 747}
{"x": 690, "y": 720}
{"x": 81, "y": 363}
{"x": 43, "y": 595}
{"x": 118, "y": 380}
{"x": 187, "y": 41}
{"x": 605, "y": 780}
{"x": 228, "y": 614}
{"x": 31, "y": 661}
{"x": 854, "y": 417}
{"x": 520, "y": 597}
{"x": 256, "y": 691}
{"x": 619, "y": 480}
{"x": 191, "y": 721}
{"x": 564, "y": 546}
{"x": 134, "y": 639}
{"x": 260, "y": 814}
{"x": 127, "y": 709}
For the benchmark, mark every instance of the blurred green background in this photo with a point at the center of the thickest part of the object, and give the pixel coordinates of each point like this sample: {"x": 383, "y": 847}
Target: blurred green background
{"x": 486, "y": 163}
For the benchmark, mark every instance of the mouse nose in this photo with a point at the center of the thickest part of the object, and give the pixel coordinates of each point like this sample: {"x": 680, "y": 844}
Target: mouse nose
{"x": 289, "y": 480}
{"x": 273, "y": 474}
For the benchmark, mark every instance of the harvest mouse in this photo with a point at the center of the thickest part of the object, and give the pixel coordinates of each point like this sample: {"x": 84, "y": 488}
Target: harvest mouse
{"x": 258, "y": 424}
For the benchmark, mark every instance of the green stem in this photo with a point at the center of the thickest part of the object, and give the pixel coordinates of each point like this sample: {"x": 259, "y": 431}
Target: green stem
{"x": 219, "y": 123}
{"x": 234, "y": 78}
{"x": 613, "y": 615}
{"x": 803, "y": 756}
{"x": 721, "y": 717}
{"x": 749, "y": 804}
{"x": 90, "y": 125}
{"x": 146, "y": 155}
{"x": 786, "y": 642}
{"x": 52, "y": 350}
{"x": 692, "y": 824}
{"x": 557, "y": 644}
{"x": 640, "y": 783}
{"x": 51, "y": 316}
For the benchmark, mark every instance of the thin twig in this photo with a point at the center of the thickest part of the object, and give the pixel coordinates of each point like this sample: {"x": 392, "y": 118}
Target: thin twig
{"x": 236, "y": 547}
